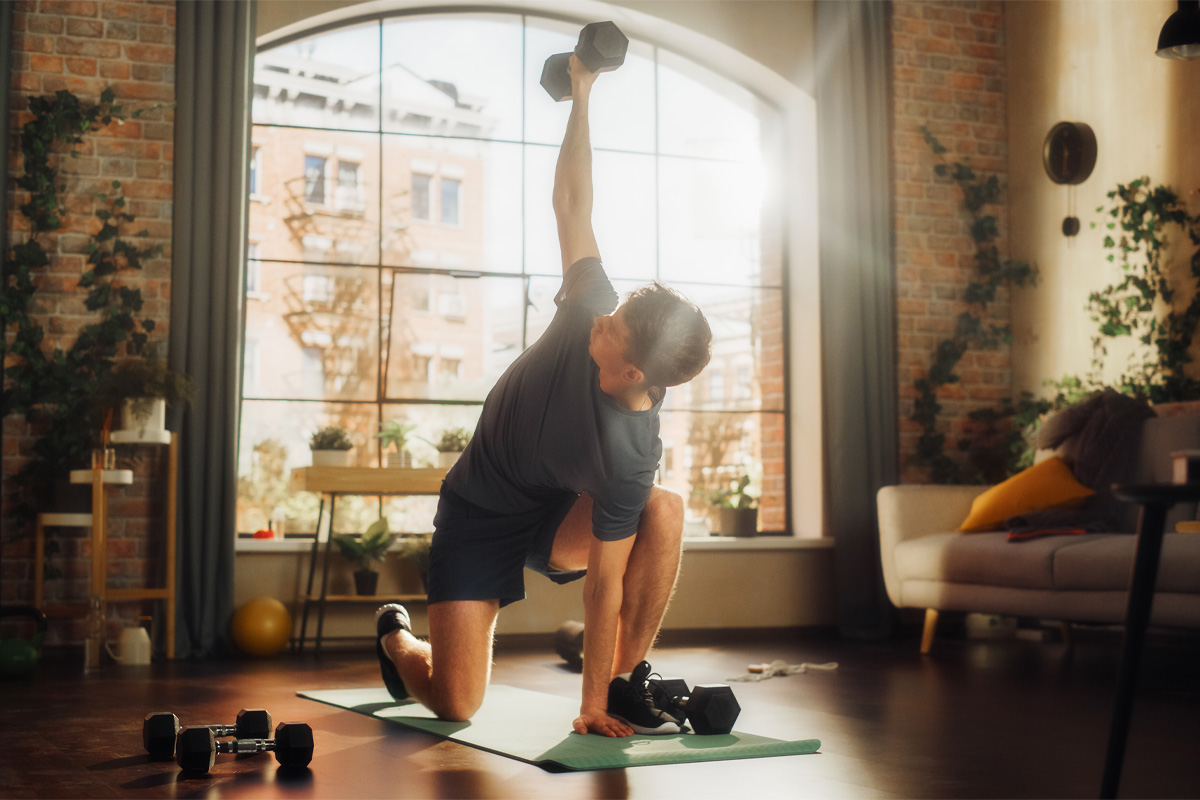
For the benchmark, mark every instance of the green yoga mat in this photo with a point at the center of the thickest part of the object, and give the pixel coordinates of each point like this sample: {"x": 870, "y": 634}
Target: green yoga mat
{"x": 536, "y": 727}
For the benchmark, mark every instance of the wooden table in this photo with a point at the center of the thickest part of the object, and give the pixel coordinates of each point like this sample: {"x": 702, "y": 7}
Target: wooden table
{"x": 335, "y": 481}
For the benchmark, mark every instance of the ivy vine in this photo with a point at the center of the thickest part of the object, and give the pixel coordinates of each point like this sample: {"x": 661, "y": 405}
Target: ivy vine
{"x": 1142, "y": 303}
{"x": 54, "y": 387}
{"x": 991, "y": 272}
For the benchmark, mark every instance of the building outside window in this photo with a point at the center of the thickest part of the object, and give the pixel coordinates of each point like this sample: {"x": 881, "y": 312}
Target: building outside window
{"x": 314, "y": 179}
{"x": 420, "y": 197}
{"x": 375, "y": 315}
{"x": 450, "y": 213}
{"x": 255, "y": 169}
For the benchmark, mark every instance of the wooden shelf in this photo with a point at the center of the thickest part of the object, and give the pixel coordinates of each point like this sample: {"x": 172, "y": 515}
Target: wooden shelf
{"x": 367, "y": 598}
{"x": 368, "y": 480}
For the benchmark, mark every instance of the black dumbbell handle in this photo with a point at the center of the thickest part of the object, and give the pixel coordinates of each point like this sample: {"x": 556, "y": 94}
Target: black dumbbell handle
{"x": 245, "y": 745}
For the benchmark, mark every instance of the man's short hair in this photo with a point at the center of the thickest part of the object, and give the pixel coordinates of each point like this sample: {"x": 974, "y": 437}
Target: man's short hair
{"x": 669, "y": 338}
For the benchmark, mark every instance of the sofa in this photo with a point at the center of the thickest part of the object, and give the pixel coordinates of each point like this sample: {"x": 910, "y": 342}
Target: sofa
{"x": 1080, "y": 578}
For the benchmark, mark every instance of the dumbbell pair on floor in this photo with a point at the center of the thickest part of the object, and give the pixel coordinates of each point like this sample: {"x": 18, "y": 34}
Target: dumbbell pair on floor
{"x": 195, "y": 747}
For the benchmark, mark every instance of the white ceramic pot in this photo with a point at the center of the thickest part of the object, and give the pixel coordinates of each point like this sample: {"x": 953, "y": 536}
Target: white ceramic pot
{"x": 401, "y": 460}
{"x": 331, "y": 458}
{"x": 446, "y": 460}
{"x": 143, "y": 414}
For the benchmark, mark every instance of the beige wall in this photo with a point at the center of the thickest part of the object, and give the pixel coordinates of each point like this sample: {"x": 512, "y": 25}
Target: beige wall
{"x": 1088, "y": 62}
{"x": 759, "y": 588}
{"x": 776, "y": 33}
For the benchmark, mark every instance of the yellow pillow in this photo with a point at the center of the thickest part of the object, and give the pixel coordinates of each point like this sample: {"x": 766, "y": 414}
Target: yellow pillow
{"x": 1048, "y": 484}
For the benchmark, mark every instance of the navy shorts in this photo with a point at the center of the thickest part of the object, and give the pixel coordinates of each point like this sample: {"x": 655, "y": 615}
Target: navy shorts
{"x": 479, "y": 554}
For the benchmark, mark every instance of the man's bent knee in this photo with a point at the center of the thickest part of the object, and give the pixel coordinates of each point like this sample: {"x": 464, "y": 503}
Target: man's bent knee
{"x": 664, "y": 510}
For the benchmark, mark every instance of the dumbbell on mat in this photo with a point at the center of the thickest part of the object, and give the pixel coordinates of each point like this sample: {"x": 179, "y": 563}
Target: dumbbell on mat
{"x": 601, "y": 48}
{"x": 197, "y": 748}
{"x": 161, "y": 728}
{"x": 568, "y": 643}
{"x": 710, "y": 708}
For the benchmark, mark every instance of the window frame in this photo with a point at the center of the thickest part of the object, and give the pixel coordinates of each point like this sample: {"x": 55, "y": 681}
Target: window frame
{"x": 437, "y": 213}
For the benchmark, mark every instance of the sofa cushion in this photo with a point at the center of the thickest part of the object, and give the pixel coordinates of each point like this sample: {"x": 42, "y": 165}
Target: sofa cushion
{"x": 1105, "y": 562}
{"x": 987, "y": 559}
{"x": 1047, "y": 484}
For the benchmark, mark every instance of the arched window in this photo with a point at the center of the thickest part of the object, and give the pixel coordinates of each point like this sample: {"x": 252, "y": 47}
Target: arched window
{"x": 405, "y": 245}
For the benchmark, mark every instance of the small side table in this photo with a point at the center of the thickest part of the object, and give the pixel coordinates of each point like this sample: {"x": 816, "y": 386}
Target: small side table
{"x": 1155, "y": 500}
{"x": 337, "y": 481}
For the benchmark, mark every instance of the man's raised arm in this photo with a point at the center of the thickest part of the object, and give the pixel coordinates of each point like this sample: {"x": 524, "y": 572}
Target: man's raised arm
{"x": 573, "y": 175}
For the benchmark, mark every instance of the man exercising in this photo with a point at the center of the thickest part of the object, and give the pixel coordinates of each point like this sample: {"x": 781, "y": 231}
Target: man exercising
{"x": 559, "y": 477}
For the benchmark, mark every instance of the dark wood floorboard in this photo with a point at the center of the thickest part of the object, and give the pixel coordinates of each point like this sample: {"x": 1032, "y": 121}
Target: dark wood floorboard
{"x": 977, "y": 719}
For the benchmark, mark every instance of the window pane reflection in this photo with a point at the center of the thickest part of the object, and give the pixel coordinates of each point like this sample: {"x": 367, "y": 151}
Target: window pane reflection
{"x": 710, "y": 221}
{"x": 318, "y": 196}
{"x": 274, "y": 440}
{"x": 704, "y": 115}
{"x": 433, "y": 81}
{"x": 451, "y": 338}
{"x": 704, "y": 451}
{"x": 315, "y": 332}
{"x": 330, "y": 80}
{"x": 452, "y": 204}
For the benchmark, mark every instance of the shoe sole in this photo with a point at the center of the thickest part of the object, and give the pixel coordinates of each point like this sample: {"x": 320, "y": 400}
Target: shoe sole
{"x": 388, "y": 619}
{"x": 663, "y": 729}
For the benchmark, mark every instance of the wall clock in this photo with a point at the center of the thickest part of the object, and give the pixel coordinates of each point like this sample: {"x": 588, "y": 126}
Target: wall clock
{"x": 1069, "y": 153}
{"x": 1069, "y": 156}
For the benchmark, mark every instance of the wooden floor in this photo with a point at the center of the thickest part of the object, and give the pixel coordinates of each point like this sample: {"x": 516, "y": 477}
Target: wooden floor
{"x": 997, "y": 719}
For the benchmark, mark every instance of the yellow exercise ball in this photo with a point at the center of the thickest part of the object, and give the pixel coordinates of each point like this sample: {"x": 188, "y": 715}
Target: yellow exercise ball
{"x": 261, "y": 626}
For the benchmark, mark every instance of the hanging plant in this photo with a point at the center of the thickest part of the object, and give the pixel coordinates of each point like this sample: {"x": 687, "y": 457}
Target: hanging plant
{"x": 54, "y": 387}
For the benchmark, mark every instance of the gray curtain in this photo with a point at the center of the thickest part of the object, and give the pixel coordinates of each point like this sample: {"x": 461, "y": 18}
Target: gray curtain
{"x": 858, "y": 314}
{"x": 213, "y": 70}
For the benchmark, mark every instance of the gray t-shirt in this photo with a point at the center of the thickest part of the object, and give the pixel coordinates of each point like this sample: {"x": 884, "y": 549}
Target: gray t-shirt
{"x": 547, "y": 428}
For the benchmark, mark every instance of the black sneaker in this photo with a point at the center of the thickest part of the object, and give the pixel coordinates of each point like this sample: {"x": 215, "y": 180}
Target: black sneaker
{"x": 629, "y": 700}
{"x": 389, "y": 618}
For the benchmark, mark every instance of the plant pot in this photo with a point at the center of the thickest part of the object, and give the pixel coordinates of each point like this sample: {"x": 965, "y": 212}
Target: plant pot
{"x": 447, "y": 460}
{"x": 331, "y": 458}
{"x": 365, "y": 581}
{"x": 400, "y": 460}
{"x": 736, "y": 521}
{"x": 142, "y": 414}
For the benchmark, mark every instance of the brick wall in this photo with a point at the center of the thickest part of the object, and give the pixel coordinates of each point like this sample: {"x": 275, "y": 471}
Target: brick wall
{"x": 949, "y": 75}
{"x": 84, "y": 47}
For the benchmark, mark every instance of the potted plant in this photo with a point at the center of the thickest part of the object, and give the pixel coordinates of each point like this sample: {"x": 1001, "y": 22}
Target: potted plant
{"x": 394, "y": 434}
{"x": 143, "y": 388}
{"x": 330, "y": 447}
{"x": 415, "y": 550}
{"x": 451, "y": 445}
{"x": 736, "y": 512}
{"x": 363, "y": 551}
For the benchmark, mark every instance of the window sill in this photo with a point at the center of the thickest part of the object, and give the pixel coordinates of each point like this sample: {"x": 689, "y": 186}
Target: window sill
{"x": 698, "y": 543}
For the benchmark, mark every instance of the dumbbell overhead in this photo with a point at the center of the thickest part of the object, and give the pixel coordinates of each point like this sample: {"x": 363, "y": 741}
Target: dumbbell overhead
{"x": 197, "y": 748}
{"x": 710, "y": 708}
{"x": 601, "y": 48}
{"x": 161, "y": 729}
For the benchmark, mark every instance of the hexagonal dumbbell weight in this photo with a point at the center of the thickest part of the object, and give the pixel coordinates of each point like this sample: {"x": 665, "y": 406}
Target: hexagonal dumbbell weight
{"x": 710, "y": 708}
{"x": 197, "y": 748}
{"x": 568, "y": 643}
{"x": 161, "y": 729}
{"x": 601, "y": 48}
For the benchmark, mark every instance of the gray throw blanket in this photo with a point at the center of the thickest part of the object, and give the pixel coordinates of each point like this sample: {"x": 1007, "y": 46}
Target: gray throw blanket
{"x": 1109, "y": 431}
